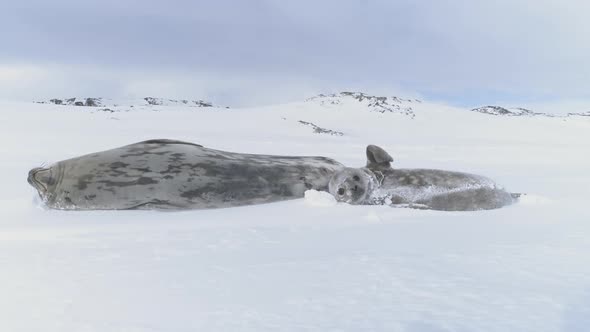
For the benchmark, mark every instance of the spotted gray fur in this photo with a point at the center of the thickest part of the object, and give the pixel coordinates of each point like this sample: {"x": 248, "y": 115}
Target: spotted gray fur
{"x": 379, "y": 183}
{"x": 168, "y": 174}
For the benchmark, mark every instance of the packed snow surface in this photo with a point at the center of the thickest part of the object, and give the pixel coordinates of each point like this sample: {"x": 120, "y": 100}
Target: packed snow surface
{"x": 310, "y": 264}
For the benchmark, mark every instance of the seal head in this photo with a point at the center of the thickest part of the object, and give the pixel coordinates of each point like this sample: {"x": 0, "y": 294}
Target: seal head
{"x": 353, "y": 185}
{"x": 356, "y": 185}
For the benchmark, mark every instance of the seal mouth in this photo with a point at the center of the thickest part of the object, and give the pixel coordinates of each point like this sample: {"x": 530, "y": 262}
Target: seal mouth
{"x": 346, "y": 194}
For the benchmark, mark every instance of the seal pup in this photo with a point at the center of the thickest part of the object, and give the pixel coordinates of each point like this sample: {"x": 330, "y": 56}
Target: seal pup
{"x": 168, "y": 174}
{"x": 379, "y": 183}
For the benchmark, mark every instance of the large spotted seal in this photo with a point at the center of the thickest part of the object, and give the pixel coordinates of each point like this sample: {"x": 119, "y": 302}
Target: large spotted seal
{"x": 168, "y": 174}
{"x": 379, "y": 183}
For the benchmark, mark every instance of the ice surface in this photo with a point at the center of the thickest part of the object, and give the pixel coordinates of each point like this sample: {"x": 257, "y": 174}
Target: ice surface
{"x": 319, "y": 198}
{"x": 308, "y": 264}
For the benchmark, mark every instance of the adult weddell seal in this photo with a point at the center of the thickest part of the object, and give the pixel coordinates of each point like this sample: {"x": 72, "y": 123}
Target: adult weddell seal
{"x": 167, "y": 174}
{"x": 379, "y": 183}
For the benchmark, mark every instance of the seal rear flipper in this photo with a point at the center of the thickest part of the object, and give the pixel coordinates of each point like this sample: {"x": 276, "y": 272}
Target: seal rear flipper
{"x": 378, "y": 158}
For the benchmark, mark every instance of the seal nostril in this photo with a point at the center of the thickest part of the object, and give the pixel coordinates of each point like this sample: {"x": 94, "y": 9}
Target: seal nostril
{"x": 340, "y": 191}
{"x": 31, "y": 177}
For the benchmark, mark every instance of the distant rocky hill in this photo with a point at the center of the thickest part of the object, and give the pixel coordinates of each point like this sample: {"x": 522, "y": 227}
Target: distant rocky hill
{"x": 502, "y": 111}
{"x": 173, "y": 102}
{"x": 341, "y": 101}
{"x": 579, "y": 114}
{"x": 373, "y": 103}
{"x": 147, "y": 101}
{"x": 498, "y": 110}
{"x": 75, "y": 101}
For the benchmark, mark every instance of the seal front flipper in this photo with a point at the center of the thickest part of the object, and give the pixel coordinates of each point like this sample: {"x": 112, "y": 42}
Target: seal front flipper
{"x": 414, "y": 206}
{"x": 377, "y": 158}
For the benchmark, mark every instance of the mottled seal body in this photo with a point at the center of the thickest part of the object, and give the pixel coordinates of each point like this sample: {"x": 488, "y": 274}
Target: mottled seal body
{"x": 167, "y": 174}
{"x": 379, "y": 183}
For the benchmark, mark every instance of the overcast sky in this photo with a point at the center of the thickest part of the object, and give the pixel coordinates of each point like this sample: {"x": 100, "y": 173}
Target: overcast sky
{"x": 251, "y": 52}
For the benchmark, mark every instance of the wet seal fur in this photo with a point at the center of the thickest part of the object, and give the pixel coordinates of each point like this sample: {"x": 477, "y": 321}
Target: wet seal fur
{"x": 380, "y": 184}
{"x": 167, "y": 174}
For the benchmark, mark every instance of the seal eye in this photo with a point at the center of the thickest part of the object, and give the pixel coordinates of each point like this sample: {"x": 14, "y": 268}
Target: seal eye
{"x": 356, "y": 178}
{"x": 340, "y": 191}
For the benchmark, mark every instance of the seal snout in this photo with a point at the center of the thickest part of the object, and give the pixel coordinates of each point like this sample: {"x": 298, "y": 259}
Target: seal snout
{"x": 31, "y": 177}
{"x": 40, "y": 178}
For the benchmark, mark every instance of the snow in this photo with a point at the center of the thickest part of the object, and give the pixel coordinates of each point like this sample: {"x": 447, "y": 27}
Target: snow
{"x": 319, "y": 198}
{"x": 308, "y": 264}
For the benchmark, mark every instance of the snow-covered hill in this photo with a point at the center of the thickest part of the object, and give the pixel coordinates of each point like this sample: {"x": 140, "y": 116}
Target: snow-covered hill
{"x": 308, "y": 264}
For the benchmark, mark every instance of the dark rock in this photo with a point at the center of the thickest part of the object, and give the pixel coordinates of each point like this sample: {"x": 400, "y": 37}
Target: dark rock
{"x": 320, "y": 130}
{"x": 92, "y": 102}
{"x": 579, "y": 114}
{"x": 497, "y": 110}
{"x": 153, "y": 101}
{"x": 159, "y": 102}
{"x": 201, "y": 103}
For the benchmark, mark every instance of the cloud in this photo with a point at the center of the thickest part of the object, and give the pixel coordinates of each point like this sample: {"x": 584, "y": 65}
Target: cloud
{"x": 464, "y": 52}
{"x": 24, "y": 82}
